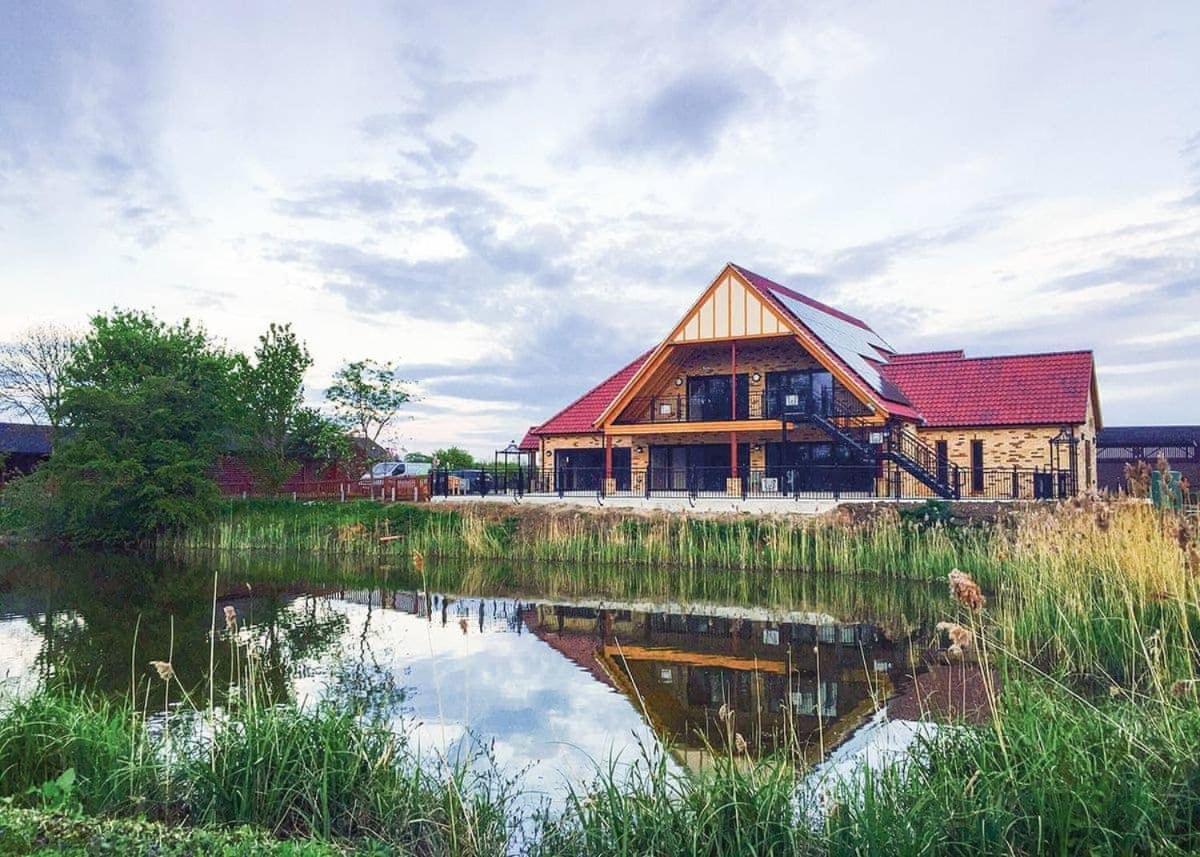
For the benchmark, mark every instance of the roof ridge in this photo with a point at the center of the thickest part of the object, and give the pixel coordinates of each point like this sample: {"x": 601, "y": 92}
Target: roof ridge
{"x": 981, "y": 357}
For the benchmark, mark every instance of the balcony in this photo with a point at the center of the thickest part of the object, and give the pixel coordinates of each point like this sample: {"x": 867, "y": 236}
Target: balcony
{"x": 751, "y": 405}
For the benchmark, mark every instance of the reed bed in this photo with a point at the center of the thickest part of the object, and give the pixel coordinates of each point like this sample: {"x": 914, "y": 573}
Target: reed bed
{"x": 328, "y": 773}
{"x": 881, "y": 543}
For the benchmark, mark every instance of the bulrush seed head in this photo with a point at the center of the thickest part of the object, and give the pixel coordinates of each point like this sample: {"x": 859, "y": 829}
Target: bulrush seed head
{"x": 966, "y": 591}
{"x": 164, "y": 669}
{"x": 230, "y": 618}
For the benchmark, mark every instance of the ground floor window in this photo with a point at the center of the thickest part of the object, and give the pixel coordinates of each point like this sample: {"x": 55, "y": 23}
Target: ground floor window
{"x": 694, "y": 466}
{"x": 801, "y": 467}
{"x": 977, "y": 466}
{"x": 583, "y": 469}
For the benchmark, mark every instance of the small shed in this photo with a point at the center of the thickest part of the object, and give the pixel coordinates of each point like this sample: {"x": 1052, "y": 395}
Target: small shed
{"x": 23, "y": 446}
{"x": 1117, "y": 446}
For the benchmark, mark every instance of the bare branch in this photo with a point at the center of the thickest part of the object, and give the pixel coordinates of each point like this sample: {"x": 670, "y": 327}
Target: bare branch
{"x": 32, "y": 371}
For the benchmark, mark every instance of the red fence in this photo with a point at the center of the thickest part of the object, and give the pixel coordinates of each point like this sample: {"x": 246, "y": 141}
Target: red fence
{"x": 310, "y": 482}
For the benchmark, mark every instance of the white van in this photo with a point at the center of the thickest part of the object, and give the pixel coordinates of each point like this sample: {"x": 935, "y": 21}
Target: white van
{"x": 386, "y": 469}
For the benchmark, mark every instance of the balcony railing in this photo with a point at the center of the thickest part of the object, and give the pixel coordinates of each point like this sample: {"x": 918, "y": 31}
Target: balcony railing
{"x": 884, "y": 480}
{"x": 754, "y": 405}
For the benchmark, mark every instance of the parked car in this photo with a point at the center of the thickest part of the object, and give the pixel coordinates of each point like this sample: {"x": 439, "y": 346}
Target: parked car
{"x": 390, "y": 469}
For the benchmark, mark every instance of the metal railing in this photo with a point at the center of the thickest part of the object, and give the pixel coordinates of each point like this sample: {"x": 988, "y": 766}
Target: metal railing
{"x": 752, "y": 405}
{"x": 882, "y": 480}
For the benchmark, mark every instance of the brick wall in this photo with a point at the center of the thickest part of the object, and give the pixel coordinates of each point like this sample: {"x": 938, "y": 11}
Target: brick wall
{"x": 761, "y": 357}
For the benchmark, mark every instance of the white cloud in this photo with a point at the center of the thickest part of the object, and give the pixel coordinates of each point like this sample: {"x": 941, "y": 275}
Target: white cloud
{"x": 518, "y": 209}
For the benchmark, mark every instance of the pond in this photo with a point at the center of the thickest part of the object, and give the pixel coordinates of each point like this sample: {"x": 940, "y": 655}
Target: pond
{"x": 548, "y": 671}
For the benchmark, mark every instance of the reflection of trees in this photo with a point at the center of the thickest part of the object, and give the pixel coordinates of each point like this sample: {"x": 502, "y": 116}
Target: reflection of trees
{"x": 99, "y": 615}
{"x": 360, "y": 681}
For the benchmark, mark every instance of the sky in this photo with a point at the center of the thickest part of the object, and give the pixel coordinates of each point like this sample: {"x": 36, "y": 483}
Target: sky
{"x": 511, "y": 201}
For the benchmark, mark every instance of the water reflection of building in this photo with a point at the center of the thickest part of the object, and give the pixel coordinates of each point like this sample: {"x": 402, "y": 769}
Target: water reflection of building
{"x": 797, "y": 680}
{"x": 800, "y": 681}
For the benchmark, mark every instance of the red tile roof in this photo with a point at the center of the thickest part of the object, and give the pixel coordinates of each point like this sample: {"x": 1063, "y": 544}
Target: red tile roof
{"x": 530, "y": 442}
{"x": 580, "y": 416}
{"x": 1018, "y": 389}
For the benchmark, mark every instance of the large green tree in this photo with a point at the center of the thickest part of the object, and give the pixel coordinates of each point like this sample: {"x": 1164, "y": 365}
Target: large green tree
{"x": 150, "y": 406}
{"x": 273, "y": 389}
{"x": 366, "y": 396}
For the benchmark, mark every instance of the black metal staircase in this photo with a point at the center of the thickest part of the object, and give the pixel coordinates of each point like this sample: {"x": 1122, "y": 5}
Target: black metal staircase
{"x": 920, "y": 460}
{"x": 892, "y": 443}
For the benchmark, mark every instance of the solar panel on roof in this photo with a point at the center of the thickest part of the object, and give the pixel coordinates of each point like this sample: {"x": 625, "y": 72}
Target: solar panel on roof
{"x": 856, "y": 346}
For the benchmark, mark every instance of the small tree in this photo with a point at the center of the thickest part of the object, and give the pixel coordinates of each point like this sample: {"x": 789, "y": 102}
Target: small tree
{"x": 455, "y": 458}
{"x": 366, "y": 396}
{"x": 273, "y": 397}
{"x": 32, "y": 373}
{"x": 316, "y": 437}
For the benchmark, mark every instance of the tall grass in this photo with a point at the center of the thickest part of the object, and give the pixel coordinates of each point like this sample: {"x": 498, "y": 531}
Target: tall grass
{"x": 327, "y": 772}
{"x": 1052, "y": 774}
{"x": 879, "y": 543}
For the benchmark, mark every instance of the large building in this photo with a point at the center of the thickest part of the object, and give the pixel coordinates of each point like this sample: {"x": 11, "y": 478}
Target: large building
{"x": 762, "y": 391}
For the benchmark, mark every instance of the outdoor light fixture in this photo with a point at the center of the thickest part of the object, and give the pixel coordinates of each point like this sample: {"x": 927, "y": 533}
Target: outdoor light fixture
{"x": 640, "y": 450}
{"x": 679, "y": 381}
{"x": 756, "y": 377}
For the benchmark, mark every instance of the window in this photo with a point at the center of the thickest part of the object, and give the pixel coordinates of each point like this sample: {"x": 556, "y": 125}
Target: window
{"x": 943, "y": 461}
{"x": 977, "y": 466}
{"x": 803, "y": 391}
{"x": 710, "y": 397}
{"x": 1087, "y": 464}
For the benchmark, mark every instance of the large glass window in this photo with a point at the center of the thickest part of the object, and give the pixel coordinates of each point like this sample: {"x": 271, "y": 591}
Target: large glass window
{"x": 710, "y": 397}
{"x": 799, "y": 392}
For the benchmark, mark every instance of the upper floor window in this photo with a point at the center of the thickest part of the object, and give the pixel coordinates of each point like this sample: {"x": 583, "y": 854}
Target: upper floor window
{"x": 804, "y": 391}
{"x": 711, "y": 397}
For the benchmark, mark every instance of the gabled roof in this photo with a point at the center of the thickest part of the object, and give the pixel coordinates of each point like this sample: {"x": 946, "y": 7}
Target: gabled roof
{"x": 24, "y": 439}
{"x": 1017, "y": 389}
{"x": 580, "y": 416}
{"x": 849, "y": 340}
{"x": 936, "y": 388}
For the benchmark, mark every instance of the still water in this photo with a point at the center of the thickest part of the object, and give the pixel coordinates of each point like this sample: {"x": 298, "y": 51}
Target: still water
{"x": 546, "y": 676}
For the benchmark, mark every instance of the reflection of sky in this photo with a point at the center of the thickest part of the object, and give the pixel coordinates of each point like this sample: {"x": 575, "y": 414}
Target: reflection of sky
{"x": 537, "y": 709}
{"x": 19, "y": 648}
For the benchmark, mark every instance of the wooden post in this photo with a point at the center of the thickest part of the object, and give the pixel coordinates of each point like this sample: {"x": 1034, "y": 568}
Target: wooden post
{"x": 609, "y": 485}
{"x": 733, "y": 381}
